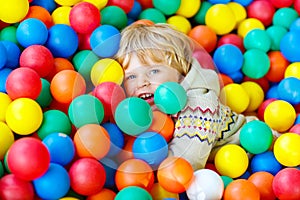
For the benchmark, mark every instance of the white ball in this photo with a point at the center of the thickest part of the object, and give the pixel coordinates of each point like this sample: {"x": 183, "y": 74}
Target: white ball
{"x": 207, "y": 185}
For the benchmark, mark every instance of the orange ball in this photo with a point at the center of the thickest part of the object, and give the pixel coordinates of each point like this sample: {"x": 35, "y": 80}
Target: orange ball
{"x": 205, "y": 36}
{"x": 162, "y": 124}
{"x": 92, "y": 140}
{"x": 278, "y": 65}
{"x": 175, "y": 174}
{"x": 106, "y": 194}
{"x": 59, "y": 65}
{"x": 224, "y": 79}
{"x": 241, "y": 189}
{"x": 66, "y": 85}
{"x": 263, "y": 181}
{"x": 134, "y": 172}
{"x": 40, "y": 13}
{"x": 126, "y": 152}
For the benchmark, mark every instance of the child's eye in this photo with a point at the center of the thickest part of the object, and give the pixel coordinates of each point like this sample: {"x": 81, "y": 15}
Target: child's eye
{"x": 154, "y": 71}
{"x": 130, "y": 77}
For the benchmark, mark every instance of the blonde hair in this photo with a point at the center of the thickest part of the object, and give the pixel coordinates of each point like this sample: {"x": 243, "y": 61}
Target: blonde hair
{"x": 160, "y": 43}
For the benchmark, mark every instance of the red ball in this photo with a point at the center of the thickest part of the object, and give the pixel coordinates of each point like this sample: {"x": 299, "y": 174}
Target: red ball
{"x": 146, "y": 4}
{"x": 23, "y": 82}
{"x": 297, "y": 6}
{"x": 87, "y": 176}
{"x": 262, "y": 82}
{"x": 28, "y": 158}
{"x": 233, "y": 39}
{"x": 295, "y": 129}
{"x": 262, "y": 107}
{"x": 282, "y": 3}
{"x": 261, "y": 10}
{"x": 84, "y": 17}
{"x": 286, "y": 184}
{"x": 12, "y": 187}
{"x": 205, "y": 36}
{"x": 38, "y": 58}
{"x": 84, "y": 41}
{"x": 125, "y": 5}
{"x": 263, "y": 181}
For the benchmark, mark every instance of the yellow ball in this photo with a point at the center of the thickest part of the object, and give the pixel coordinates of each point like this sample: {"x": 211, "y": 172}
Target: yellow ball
{"x": 180, "y": 23}
{"x": 24, "y": 116}
{"x": 98, "y": 3}
{"x": 6, "y": 139}
{"x": 255, "y": 93}
{"x": 239, "y": 12}
{"x": 293, "y": 70}
{"x": 67, "y": 2}
{"x": 235, "y": 96}
{"x": 280, "y": 115}
{"x": 188, "y": 8}
{"x": 287, "y": 149}
{"x": 61, "y": 15}
{"x": 68, "y": 198}
{"x": 5, "y": 100}
{"x": 248, "y": 25}
{"x": 12, "y": 11}
{"x": 220, "y": 18}
{"x": 231, "y": 160}
{"x": 107, "y": 70}
{"x": 159, "y": 193}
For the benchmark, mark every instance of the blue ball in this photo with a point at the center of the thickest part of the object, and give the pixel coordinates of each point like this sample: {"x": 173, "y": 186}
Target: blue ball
{"x": 49, "y": 5}
{"x": 62, "y": 40}
{"x": 61, "y": 148}
{"x": 13, "y": 54}
{"x": 289, "y": 90}
{"x": 265, "y": 162}
{"x": 4, "y": 72}
{"x": 54, "y": 184}
{"x": 289, "y": 46}
{"x": 110, "y": 167}
{"x": 116, "y": 138}
{"x": 218, "y": 1}
{"x": 3, "y": 55}
{"x": 272, "y": 92}
{"x": 237, "y": 76}
{"x": 150, "y": 147}
{"x": 295, "y": 26}
{"x": 105, "y": 40}
{"x": 228, "y": 59}
{"x": 31, "y": 31}
{"x": 135, "y": 11}
{"x": 243, "y": 2}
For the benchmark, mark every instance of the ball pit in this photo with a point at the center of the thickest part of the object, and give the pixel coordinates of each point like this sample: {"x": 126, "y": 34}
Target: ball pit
{"x": 53, "y": 52}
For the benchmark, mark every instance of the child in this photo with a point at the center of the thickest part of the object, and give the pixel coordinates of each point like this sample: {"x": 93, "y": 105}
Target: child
{"x": 154, "y": 54}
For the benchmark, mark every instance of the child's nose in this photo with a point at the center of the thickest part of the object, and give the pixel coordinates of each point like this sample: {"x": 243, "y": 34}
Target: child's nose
{"x": 143, "y": 82}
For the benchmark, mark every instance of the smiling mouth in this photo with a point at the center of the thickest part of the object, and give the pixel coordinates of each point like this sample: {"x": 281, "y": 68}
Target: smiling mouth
{"x": 146, "y": 96}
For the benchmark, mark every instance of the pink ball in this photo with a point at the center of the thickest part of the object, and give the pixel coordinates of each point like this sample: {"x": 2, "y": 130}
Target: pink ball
{"x": 38, "y": 58}
{"x": 295, "y": 129}
{"x": 84, "y": 17}
{"x": 23, "y": 82}
{"x": 286, "y": 184}
{"x": 233, "y": 39}
{"x": 28, "y": 158}
{"x": 261, "y": 10}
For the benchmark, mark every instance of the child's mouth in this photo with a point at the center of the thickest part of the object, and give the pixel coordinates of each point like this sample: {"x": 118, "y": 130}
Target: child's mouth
{"x": 147, "y": 97}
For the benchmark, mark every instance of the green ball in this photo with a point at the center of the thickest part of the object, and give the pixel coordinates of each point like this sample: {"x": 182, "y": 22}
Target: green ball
{"x": 86, "y": 109}
{"x": 115, "y": 16}
{"x": 45, "y": 98}
{"x": 276, "y": 33}
{"x": 153, "y": 15}
{"x": 199, "y": 17}
{"x": 167, "y": 7}
{"x": 256, "y": 63}
{"x": 226, "y": 180}
{"x": 54, "y": 121}
{"x": 1, "y": 169}
{"x": 257, "y": 39}
{"x": 9, "y": 34}
{"x": 133, "y": 192}
{"x": 133, "y": 115}
{"x": 170, "y": 97}
{"x": 256, "y": 137}
{"x": 285, "y": 17}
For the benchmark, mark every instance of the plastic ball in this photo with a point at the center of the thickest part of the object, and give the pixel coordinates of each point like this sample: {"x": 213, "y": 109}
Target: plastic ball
{"x": 205, "y": 36}
{"x": 238, "y": 10}
{"x": 254, "y": 10}
{"x": 62, "y": 40}
{"x": 226, "y": 180}
{"x": 289, "y": 90}
{"x": 276, "y": 33}
{"x": 231, "y": 160}
{"x": 167, "y": 7}
{"x": 272, "y": 93}
{"x": 28, "y": 158}
{"x": 292, "y": 70}
{"x": 116, "y": 138}
{"x": 247, "y": 25}
{"x": 13, "y": 187}
{"x": 170, "y": 97}
{"x": 207, "y": 184}
{"x": 175, "y": 174}
{"x": 41, "y": 13}
{"x": 135, "y": 10}
{"x": 241, "y": 189}
{"x": 133, "y": 115}
{"x": 114, "y": 16}
{"x": 126, "y": 5}
{"x": 67, "y": 2}
{"x": 5, "y": 100}
{"x": 13, "y": 53}
{"x": 180, "y": 23}
{"x": 110, "y": 166}
{"x": 105, "y": 40}
{"x": 89, "y": 17}
{"x": 263, "y": 181}
{"x": 152, "y": 14}
{"x": 278, "y": 65}
{"x": 150, "y": 147}
{"x": 9, "y": 34}
{"x": 286, "y": 149}
{"x": 13, "y": 11}
{"x": 256, "y": 63}
{"x": 66, "y": 85}
{"x": 53, "y": 184}
{"x": 134, "y": 172}
{"x": 133, "y": 192}
{"x": 284, "y": 17}
{"x": 4, "y": 73}
{"x": 85, "y": 109}
{"x": 199, "y": 17}
{"x": 188, "y": 8}
{"x": 233, "y": 39}
{"x": 228, "y": 58}
{"x": 286, "y": 184}
{"x": 220, "y": 18}
{"x": 255, "y": 93}
{"x": 265, "y": 162}
{"x": 60, "y": 147}
{"x": 59, "y": 65}
{"x": 6, "y": 139}
{"x": 277, "y": 112}
{"x": 105, "y": 193}
{"x": 159, "y": 192}
{"x": 106, "y": 70}
{"x": 288, "y": 48}
{"x": 257, "y": 39}
{"x": 38, "y": 58}
{"x": 61, "y": 15}
{"x": 45, "y": 98}
{"x": 87, "y": 176}
{"x": 235, "y": 96}
{"x": 24, "y": 116}
{"x": 3, "y": 57}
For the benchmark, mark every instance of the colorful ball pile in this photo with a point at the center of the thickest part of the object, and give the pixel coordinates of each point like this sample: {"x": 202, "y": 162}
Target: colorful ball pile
{"x": 69, "y": 132}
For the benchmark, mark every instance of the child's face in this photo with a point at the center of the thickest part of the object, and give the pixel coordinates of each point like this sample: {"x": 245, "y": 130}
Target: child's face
{"x": 142, "y": 80}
